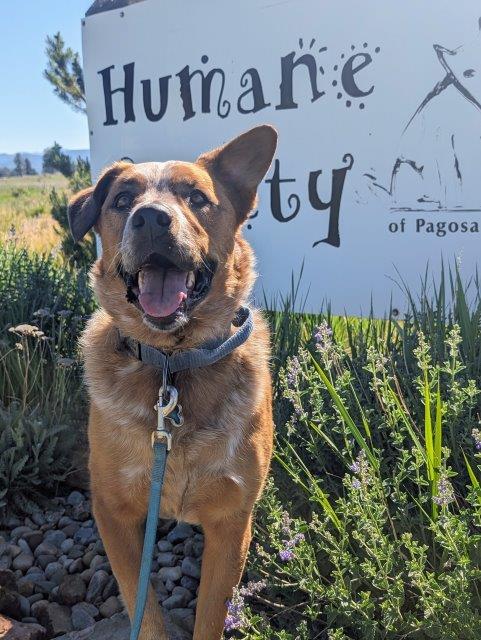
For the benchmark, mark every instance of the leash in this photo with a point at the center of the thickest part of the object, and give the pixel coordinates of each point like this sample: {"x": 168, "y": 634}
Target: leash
{"x": 168, "y": 408}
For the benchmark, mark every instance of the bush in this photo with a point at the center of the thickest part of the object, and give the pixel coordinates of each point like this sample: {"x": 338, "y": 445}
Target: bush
{"x": 43, "y": 306}
{"x": 370, "y": 528}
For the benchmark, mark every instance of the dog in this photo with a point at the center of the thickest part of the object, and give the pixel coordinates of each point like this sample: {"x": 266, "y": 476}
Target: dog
{"x": 173, "y": 273}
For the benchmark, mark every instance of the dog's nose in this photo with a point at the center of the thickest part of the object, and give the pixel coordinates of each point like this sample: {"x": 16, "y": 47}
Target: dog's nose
{"x": 151, "y": 217}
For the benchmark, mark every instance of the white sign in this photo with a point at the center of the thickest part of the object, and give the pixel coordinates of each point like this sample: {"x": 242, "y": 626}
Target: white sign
{"x": 378, "y": 107}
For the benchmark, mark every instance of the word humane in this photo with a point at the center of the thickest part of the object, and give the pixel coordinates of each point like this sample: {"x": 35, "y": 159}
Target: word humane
{"x": 302, "y": 76}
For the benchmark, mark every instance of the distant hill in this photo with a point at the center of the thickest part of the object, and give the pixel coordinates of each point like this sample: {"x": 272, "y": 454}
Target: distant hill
{"x": 6, "y": 159}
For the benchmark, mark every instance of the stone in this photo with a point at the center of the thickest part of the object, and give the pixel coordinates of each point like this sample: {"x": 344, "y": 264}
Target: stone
{"x": 191, "y": 568}
{"x": 23, "y": 544}
{"x": 13, "y": 630}
{"x": 14, "y": 550}
{"x": 198, "y": 548}
{"x": 83, "y": 616}
{"x": 44, "y": 586}
{"x": 19, "y": 532}
{"x": 189, "y": 583}
{"x": 180, "y": 532}
{"x": 55, "y": 537}
{"x": 46, "y": 549}
{"x": 45, "y": 560}
{"x": 166, "y": 559}
{"x": 25, "y": 586}
{"x": 192, "y": 604}
{"x": 83, "y": 535}
{"x": 96, "y": 561}
{"x": 38, "y": 518}
{"x": 56, "y": 619}
{"x": 70, "y": 529}
{"x": 72, "y": 590}
{"x": 110, "y": 607}
{"x": 110, "y": 589}
{"x": 178, "y": 549}
{"x": 96, "y": 586}
{"x": 178, "y": 600}
{"x": 35, "y": 597}
{"x": 66, "y": 545}
{"x": 75, "y": 498}
{"x": 76, "y": 566}
{"x": 164, "y": 545}
{"x": 5, "y": 562}
{"x": 170, "y": 573}
{"x": 33, "y": 539}
{"x": 23, "y": 561}
{"x": 36, "y": 608}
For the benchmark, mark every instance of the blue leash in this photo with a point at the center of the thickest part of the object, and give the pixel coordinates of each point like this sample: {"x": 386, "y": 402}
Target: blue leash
{"x": 161, "y": 444}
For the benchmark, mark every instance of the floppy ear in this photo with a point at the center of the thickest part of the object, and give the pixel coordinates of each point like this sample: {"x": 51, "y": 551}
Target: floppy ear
{"x": 242, "y": 163}
{"x": 84, "y": 208}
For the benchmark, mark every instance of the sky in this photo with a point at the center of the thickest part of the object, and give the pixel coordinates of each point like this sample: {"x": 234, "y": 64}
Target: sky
{"x": 31, "y": 116}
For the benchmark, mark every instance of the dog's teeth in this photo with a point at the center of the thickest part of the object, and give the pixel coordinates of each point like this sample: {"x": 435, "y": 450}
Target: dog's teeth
{"x": 190, "y": 281}
{"x": 140, "y": 279}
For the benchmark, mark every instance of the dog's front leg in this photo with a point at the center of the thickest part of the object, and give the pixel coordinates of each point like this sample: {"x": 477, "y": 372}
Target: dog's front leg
{"x": 122, "y": 535}
{"x": 226, "y": 545}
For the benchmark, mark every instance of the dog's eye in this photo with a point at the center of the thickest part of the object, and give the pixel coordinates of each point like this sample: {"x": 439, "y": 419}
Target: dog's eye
{"x": 123, "y": 201}
{"x": 198, "y": 199}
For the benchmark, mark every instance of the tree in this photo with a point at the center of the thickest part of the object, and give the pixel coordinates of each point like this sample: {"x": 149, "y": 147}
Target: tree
{"x": 55, "y": 160}
{"x": 19, "y": 163}
{"x": 29, "y": 170}
{"x": 64, "y": 72}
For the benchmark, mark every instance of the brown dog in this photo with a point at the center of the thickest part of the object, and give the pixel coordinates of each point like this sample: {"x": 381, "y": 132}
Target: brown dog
{"x": 172, "y": 232}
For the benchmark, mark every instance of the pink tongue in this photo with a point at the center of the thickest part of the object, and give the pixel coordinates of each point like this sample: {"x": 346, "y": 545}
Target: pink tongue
{"x": 162, "y": 291}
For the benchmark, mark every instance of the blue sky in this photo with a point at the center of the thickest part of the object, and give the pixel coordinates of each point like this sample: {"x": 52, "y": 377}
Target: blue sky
{"x": 31, "y": 116}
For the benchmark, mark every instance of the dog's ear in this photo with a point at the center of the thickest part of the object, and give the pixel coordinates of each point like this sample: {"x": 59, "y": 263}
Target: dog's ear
{"x": 84, "y": 208}
{"x": 241, "y": 164}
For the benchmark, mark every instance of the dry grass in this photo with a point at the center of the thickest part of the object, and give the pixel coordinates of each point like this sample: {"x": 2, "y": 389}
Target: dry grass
{"x": 25, "y": 211}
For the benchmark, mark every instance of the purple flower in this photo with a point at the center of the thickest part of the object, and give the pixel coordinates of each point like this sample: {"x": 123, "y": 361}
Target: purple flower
{"x": 292, "y": 372}
{"x": 356, "y": 483}
{"x": 445, "y": 493}
{"x": 286, "y": 555}
{"x": 476, "y": 433}
{"x": 236, "y": 614}
{"x": 322, "y": 336}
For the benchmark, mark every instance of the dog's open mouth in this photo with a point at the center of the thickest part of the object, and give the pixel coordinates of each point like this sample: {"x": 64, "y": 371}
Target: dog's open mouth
{"x": 164, "y": 291}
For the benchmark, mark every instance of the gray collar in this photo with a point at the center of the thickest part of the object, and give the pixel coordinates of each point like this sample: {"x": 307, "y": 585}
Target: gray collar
{"x": 194, "y": 358}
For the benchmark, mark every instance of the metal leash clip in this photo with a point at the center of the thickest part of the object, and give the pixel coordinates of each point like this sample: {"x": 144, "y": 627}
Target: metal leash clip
{"x": 163, "y": 412}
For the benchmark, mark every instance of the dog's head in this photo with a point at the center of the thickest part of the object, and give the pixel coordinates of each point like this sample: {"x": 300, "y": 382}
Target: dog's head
{"x": 174, "y": 264}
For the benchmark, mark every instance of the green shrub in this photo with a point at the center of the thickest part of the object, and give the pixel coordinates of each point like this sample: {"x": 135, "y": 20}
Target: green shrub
{"x": 34, "y": 458}
{"x": 371, "y": 525}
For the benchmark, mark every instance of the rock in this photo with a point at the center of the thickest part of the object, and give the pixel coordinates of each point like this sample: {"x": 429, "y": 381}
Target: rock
{"x": 191, "y": 568}
{"x": 55, "y": 572}
{"x": 83, "y": 615}
{"x": 46, "y": 549}
{"x": 178, "y": 549}
{"x": 7, "y": 580}
{"x": 19, "y": 532}
{"x": 72, "y": 590}
{"x": 97, "y": 561}
{"x": 164, "y": 526}
{"x": 96, "y": 586}
{"x": 66, "y": 545}
{"x": 75, "y": 498}
{"x": 35, "y": 597}
{"x": 166, "y": 559}
{"x": 56, "y": 619}
{"x": 5, "y": 562}
{"x": 110, "y": 589}
{"x": 23, "y": 544}
{"x": 189, "y": 583}
{"x": 25, "y": 586}
{"x": 55, "y": 537}
{"x": 178, "y": 600}
{"x": 13, "y": 630}
{"x": 170, "y": 585}
{"x": 38, "y": 518}
{"x": 24, "y": 606}
{"x": 193, "y": 604}
{"x": 36, "y": 608}
{"x": 43, "y": 561}
{"x": 33, "y": 539}
{"x": 87, "y": 575}
{"x": 76, "y": 566}
{"x": 170, "y": 573}
{"x": 10, "y": 602}
{"x": 23, "y": 561}
{"x": 180, "y": 532}
{"x": 44, "y": 586}
{"x": 198, "y": 548}
{"x": 83, "y": 535}
{"x": 76, "y": 552}
{"x": 70, "y": 529}
{"x": 164, "y": 545}
{"x": 110, "y": 607}
{"x": 14, "y": 550}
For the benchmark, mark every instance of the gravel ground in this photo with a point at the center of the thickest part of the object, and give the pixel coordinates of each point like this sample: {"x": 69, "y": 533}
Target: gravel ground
{"x": 54, "y": 573}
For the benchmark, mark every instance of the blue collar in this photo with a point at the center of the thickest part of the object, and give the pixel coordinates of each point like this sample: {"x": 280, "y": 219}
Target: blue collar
{"x": 195, "y": 358}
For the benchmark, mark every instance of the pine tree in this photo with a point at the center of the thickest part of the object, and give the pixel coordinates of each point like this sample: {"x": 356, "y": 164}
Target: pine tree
{"x": 55, "y": 160}
{"x": 29, "y": 170}
{"x": 64, "y": 72}
{"x": 19, "y": 163}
